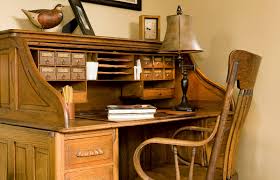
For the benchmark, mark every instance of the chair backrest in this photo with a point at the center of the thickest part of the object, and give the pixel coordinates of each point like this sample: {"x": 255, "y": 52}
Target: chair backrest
{"x": 243, "y": 68}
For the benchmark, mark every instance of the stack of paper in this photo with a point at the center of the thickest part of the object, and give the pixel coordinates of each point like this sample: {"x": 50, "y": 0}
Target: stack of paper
{"x": 130, "y": 112}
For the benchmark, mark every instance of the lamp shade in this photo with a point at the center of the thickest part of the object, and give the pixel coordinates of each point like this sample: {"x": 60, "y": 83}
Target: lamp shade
{"x": 179, "y": 37}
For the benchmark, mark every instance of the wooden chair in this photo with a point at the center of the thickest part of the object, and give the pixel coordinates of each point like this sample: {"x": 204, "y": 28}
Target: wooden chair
{"x": 243, "y": 68}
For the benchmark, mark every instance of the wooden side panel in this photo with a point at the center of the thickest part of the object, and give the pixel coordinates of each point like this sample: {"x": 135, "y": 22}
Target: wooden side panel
{"x": 32, "y": 99}
{"x": 41, "y": 164}
{"x": 5, "y": 76}
{"x": 25, "y": 153}
{"x": 3, "y": 160}
{"x": 25, "y": 97}
{"x": 21, "y": 162}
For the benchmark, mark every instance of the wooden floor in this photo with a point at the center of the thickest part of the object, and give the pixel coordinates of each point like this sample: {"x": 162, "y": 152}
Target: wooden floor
{"x": 167, "y": 172}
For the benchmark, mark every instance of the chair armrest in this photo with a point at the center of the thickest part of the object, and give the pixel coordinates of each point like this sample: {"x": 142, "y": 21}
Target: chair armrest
{"x": 168, "y": 141}
{"x": 193, "y": 128}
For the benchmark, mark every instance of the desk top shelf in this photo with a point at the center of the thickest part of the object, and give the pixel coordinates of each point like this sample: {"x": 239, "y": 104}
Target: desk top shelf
{"x": 34, "y": 66}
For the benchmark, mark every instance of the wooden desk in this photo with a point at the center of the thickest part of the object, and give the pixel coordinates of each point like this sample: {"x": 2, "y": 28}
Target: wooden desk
{"x": 37, "y": 140}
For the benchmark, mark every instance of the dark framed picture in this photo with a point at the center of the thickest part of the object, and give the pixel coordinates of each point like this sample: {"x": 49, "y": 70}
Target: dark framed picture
{"x": 127, "y": 4}
{"x": 81, "y": 17}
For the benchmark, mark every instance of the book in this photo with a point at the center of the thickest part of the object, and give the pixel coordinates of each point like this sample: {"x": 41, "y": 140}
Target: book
{"x": 128, "y": 116}
{"x": 131, "y": 109}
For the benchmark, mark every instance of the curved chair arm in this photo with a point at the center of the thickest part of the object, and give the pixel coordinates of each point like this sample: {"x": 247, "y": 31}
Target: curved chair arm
{"x": 168, "y": 141}
{"x": 192, "y": 128}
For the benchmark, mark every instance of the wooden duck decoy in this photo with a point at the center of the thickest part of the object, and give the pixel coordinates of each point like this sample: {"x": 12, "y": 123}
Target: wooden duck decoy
{"x": 45, "y": 18}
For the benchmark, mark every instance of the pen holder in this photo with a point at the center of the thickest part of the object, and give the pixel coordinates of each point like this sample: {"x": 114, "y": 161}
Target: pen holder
{"x": 71, "y": 110}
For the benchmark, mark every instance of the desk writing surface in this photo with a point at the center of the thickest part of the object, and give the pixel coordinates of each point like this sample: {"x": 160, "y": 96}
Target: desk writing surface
{"x": 98, "y": 120}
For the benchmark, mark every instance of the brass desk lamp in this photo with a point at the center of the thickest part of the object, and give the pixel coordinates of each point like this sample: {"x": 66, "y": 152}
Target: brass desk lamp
{"x": 180, "y": 39}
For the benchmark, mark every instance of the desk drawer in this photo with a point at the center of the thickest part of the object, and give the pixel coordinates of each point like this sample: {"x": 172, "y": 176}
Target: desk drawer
{"x": 78, "y": 73}
{"x": 63, "y": 58}
{"x": 147, "y": 61}
{"x": 88, "y": 151}
{"x": 104, "y": 173}
{"x": 158, "y": 93}
{"x": 78, "y": 59}
{"x": 158, "y": 62}
{"x": 48, "y": 73}
{"x": 46, "y": 58}
{"x": 158, "y": 74}
{"x": 168, "y": 62}
{"x": 63, "y": 73}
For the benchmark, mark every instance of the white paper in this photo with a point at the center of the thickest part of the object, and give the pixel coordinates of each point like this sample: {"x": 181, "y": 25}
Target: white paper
{"x": 92, "y": 69}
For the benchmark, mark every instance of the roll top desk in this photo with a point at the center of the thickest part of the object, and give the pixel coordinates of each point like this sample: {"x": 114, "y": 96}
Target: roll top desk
{"x": 37, "y": 139}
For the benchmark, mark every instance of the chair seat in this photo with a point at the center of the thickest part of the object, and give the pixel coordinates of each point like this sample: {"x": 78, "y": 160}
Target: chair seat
{"x": 167, "y": 172}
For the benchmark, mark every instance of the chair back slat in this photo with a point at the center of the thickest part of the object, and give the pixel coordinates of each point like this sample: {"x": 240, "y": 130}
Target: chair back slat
{"x": 248, "y": 68}
{"x": 239, "y": 115}
{"x": 248, "y": 65}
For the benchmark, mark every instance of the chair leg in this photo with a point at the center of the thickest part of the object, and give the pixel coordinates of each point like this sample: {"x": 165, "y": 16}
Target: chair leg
{"x": 192, "y": 164}
{"x": 176, "y": 163}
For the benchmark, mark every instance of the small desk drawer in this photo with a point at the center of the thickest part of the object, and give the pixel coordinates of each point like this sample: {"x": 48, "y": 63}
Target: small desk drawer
{"x": 168, "y": 62}
{"x": 48, "y": 73}
{"x": 88, "y": 151}
{"x": 78, "y": 59}
{"x": 46, "y": 58}
{"x": 158, "y": 74}
{"x": 147, "y": 61}
{"x": 158, "y": 93}
{"x": 147, "y": 74}
{"x": 63, "y": 58}
{"x": 63, "y": 73}
{"x": 168, "y": 74}
{"x": 100, "y": 173}
{"x": 158, "y": 62}
{"x": 78, "y": 74}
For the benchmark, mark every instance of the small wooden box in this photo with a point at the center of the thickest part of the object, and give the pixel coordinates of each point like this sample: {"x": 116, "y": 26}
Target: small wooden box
{"x": 63, "y": 73}
{"x": 158, "y": 62}
{"x": 147, "y": 74}
{"x": 78, "y": 59}
{"x": 168, "y": 74}
{"x": 168, "y": 62}
{"x": 63, "y": 58}
{"x": 78, "y": 74}
{"x": 48, "y": 73}
{"x": 157, "y": 74}
{"x": 46, "y": 58}
{"x": 147, "y": 62}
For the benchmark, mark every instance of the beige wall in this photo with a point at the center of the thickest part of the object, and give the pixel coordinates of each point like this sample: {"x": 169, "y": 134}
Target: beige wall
{"x": 105, "y": 20}
{"x": 253, "y": 25}
{"x": 221, "y": 26}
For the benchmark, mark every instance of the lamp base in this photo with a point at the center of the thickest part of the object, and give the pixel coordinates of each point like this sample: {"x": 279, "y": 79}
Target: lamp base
{"x": 184, "y": 107}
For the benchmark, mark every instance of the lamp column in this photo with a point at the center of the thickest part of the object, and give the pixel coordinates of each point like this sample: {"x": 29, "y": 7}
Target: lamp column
{"x": 184, "y": 105}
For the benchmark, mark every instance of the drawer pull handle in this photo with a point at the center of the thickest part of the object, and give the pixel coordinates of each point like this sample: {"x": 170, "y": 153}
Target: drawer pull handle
{"x": 95, "y": 152}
